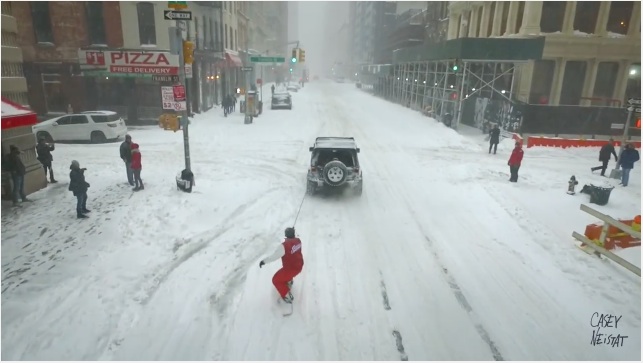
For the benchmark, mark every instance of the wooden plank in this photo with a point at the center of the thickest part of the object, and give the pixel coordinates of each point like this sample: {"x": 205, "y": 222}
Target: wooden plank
{"x": 616, "y": 223}
{"x": 627, "y": 265}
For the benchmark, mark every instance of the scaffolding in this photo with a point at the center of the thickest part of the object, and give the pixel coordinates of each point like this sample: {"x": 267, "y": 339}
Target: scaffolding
{"x": 439, "y": 79}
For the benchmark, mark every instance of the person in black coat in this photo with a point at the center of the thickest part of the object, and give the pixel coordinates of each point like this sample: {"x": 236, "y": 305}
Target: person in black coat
{"x": 79, "y": 186}
{"x": 494, "y": 138}
{"x": 605, "y": 155}
{"x": 126, "y": 156}
{"x": 44, "y": 156}
{"x": 18, "y": 171}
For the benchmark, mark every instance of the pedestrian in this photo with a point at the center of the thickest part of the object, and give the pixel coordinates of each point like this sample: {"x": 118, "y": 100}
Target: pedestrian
{"x": 629, "y": 156}
{"x": 514, "y": 162}
{"x": 79, "y": 186}
{"x": 44, "y": 156}
{"x": 605, "y": 155}
{"x": 226, "y": 105}
{"x": 292, "y": 263}
{"x": 126, "y": 156}
{"x": 17, "y": 170}
{"x": 272, "y": 89}
{"x": 234, "y": 102}
{"x": 136, "y": 167}
{"x": 494, "y": 138}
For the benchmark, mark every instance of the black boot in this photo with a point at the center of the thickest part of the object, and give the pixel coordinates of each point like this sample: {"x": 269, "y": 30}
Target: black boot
{"x": 81, "y": 216}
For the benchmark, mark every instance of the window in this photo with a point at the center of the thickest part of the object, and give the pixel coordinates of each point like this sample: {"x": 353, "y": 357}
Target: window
{"x": 619, "y": 17}
{"x": 541, "y": 82}
{"x": 213, "y": 32}
{"x": 605, "y": 79}
{"x": 573, "y": 82}
{"x": 105, "y": 118}
{"x": 41, "y": 21}
{"x": 586, "y": 16}
{"x": 78, "y": 119}
{"x": 231, "y": 40}
{"x": 54, "y": 97}
{"x": 633, "y": 89}
{"x": 146, "y": 23}
{"x": 95, "y": 22}
{"x": 492, "y": 19}
{"x": 226, "y": 36}
{"x": 236, "y": 39}
{"x": 65, "y": 120}
{"x": 552, "y": 16}
{"x": 521, "y": 13}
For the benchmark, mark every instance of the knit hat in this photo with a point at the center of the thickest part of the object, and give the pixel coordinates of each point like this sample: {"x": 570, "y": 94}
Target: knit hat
{"x": 74, "y": 165}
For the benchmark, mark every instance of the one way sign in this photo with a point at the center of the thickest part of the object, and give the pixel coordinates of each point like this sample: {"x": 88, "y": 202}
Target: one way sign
{"x": 177, "y": 15}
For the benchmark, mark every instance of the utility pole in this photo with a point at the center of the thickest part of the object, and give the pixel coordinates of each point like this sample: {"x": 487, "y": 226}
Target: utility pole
{"x": 184, "y": 119}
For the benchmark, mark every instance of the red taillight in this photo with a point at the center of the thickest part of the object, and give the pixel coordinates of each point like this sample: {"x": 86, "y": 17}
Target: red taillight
{"x": 356, "y": 170}
{"x": 313, "y": 169}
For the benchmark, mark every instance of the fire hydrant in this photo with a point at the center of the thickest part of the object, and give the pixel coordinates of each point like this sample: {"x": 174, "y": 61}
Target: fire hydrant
{"x": 571, "y": 185}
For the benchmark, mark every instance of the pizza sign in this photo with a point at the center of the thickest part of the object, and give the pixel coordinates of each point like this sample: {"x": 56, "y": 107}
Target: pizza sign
{"x": 158, "y": 63}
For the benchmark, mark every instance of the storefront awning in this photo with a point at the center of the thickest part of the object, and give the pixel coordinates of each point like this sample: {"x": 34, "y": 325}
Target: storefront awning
{"x": 233, "y": 60}
{"x": 15, "y": 115}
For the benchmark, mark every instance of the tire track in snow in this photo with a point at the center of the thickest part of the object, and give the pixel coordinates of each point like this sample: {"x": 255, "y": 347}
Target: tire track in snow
{"x": 455, "y": 288}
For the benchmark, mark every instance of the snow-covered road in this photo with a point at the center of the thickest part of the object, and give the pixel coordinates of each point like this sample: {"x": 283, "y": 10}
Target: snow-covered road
{"x": 440, "y": 259}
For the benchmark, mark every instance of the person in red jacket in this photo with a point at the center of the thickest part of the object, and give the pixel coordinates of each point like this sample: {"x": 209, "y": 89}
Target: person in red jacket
{"x": 292, "y": 263}
{"x": 136, "y": 167}
{"x": 514, "y": 162}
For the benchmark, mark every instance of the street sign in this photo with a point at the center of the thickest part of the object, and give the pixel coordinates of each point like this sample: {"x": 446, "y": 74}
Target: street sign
{"x": 257, "y": 59}
{"x": 167, "y": 96}
{"x": 188, "y": 71}
{"x": 165, "y": 78}
{"x": 177, "y": 15}
{"x": 182, "y": 24}
{"x": 179, "y": 92}
{"x": 634, "y": 101}
{"x": 246, "y": 69}
{"x": 259, "y": 81}
{"x": 177, "y": 5}
{"x": 617, "y": 126}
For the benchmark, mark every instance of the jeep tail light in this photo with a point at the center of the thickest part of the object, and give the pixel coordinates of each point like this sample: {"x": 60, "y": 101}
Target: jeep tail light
{"x": 313, "y": 169}
{"x": 356, "y": 169}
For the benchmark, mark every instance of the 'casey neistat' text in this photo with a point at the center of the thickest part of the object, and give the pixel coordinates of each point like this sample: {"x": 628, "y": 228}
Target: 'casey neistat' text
{"x": 599, "y": 321}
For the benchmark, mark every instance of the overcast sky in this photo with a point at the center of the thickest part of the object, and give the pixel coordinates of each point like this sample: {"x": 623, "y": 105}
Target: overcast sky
{"x": 318, "y": 21}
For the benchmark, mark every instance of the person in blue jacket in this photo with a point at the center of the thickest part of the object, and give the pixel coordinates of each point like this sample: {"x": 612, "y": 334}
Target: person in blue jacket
{"x": 627, "y": 160}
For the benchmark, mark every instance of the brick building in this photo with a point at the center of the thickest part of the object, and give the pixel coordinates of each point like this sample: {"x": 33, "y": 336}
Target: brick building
{"x": 50, "y": 34}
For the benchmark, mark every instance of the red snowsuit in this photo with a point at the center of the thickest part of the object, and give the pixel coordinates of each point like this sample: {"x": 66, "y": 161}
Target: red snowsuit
{"x": 292, "y": 262}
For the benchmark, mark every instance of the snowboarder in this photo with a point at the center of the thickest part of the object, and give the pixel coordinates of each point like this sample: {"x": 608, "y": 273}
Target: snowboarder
{"x": 17, "y": 169}
{"x": 605, "y": 155}
{"x": 292, "y": 263}
{"x": 126, "y": 156}
{"x": 514, "y": 162}
{"x": 628, "y": 158}
{"x": 44, "y": 156}
{"x": 78, "y": 186}
{"x": 136, "y": 167}
{"x": 571, "y": 185}
{"x": 494, "y": 138}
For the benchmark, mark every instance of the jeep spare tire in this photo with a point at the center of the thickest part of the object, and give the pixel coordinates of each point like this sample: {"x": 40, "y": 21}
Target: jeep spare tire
{"x": 335, "y": 173}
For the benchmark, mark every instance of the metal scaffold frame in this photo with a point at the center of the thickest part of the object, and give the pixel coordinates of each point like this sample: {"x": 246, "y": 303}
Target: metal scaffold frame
{"x": 435, "y": 84}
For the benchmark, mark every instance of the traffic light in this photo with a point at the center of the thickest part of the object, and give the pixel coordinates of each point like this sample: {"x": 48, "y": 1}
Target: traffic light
{"x": 188, "y": 52}
{"x": 294, "y": 55}
{"x": 456, "y": 66}
{"x": 302, "y": 55}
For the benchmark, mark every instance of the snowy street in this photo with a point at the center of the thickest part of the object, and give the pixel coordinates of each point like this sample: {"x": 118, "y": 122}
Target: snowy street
{"x": 440, "y": 259}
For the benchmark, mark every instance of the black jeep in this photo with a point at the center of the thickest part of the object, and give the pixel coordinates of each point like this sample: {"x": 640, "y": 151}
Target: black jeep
{"x": 334, "y": 164}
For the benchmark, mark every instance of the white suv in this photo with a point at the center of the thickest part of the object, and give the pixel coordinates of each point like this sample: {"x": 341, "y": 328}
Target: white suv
{"x": 93, "y": 126}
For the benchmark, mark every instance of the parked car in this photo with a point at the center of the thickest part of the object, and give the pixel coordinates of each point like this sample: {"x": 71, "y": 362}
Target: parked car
{"x": 94, "y": 126}
{"x": 334, "y": 165}
{"x": 293, "y": 87}
{"x": 281, "y": 100}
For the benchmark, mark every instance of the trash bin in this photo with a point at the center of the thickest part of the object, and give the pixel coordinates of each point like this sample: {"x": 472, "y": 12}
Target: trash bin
{"x": 185, "y": 181}
{"x": 599, "y": 195}
{"x": 242, "y": 106}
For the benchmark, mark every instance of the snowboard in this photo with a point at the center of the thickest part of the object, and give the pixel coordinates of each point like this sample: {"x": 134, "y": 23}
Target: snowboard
{"x": 286, "y": 309}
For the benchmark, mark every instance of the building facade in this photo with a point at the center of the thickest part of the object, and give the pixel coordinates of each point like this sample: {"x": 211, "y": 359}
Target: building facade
{"x": 14, "y": 89}
{"x": 592, "y": 49}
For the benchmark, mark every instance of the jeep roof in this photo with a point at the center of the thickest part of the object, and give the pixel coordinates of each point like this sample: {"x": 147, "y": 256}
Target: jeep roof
{"x": 335, "y": 143}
